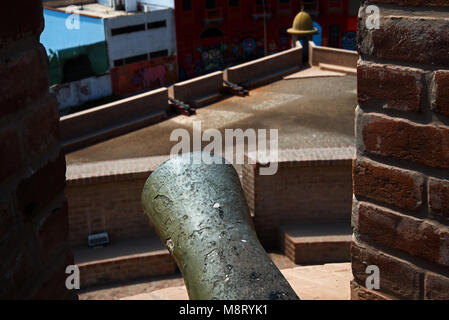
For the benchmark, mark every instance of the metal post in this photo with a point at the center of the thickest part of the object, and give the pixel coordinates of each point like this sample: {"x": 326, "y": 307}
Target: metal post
{"x": 200, "y": 213}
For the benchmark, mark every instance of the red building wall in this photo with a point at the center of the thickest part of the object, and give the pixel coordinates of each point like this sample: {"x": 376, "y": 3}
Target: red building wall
{"x": 212, "y": 35}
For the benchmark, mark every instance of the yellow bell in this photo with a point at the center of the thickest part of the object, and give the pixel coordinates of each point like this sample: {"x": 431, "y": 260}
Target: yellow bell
{"x": 303, "y": 25}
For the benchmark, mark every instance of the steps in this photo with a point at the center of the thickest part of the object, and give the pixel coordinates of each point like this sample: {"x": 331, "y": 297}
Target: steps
{"x": 123, "y": 260}
{"x": 321, "y": 282}
{"x": 316, "y": 243}
{"x": 332, "y": 67}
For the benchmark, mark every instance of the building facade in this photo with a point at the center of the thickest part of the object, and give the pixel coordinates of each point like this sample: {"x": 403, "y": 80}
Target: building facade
{"x": 131, "y": 42}
{"x": 214, "y": 34}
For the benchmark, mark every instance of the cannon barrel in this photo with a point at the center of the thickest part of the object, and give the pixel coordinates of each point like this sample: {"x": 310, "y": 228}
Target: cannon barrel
{"x": 200, "y": 213}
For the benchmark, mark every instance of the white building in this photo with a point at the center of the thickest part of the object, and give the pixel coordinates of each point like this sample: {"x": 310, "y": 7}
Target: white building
{"x": 134, "y": 31}
{"x": 140, "y": 35}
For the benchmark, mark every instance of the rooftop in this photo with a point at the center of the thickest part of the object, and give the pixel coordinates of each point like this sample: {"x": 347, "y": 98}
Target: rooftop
{"x": 310, "y": 113}
{"x": 101, "y": 11}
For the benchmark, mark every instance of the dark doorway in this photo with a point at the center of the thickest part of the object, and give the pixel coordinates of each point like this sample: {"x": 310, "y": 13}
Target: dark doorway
{"x": 211, "y": 4}
{"x": 212, "y": 33}
{"x": 334, "y": 35}
{"x": 77, "y": 68}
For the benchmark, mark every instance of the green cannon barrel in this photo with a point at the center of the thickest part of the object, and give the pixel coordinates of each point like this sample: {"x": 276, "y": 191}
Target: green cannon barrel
{"x": 200, "y": 213}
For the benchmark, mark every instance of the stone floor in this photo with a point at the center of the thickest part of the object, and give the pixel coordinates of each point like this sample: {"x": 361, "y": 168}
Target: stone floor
{"x": 309, "y": 113}
{"x": 144, "y": 286}
{"x": 321, "y": 282}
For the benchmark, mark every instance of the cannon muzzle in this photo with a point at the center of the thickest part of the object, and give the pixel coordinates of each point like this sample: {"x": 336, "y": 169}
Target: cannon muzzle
{"x": 201, "y": 215}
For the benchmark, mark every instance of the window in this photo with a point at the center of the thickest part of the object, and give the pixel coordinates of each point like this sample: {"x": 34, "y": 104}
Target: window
{"x": 211, "y": 33}
{"x": 134, "y": 59}
{"x": 234, "y": 3}
{"x": 158, "y": 54}
{"x": 210, "y": 4}
{"x": 334, "y": 35}
{"x": 128, "y": 29}
{"x": 118, "y": 63}
{"x": 157, "y": 24}
{"x": 186, "y": 5}
{"x": 353, "y": 8}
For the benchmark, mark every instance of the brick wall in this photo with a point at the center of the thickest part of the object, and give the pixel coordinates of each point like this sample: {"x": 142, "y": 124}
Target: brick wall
{"x": 400, "y": 177}
{"x": 295, "y": 192}
{"x": 106, "y": 197}
{"x": 34, "y": 250}
{"x": 135, "y": 267}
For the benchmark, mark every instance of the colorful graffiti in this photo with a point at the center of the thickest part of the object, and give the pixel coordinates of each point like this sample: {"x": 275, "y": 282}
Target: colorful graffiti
{"x": 149, "y": 77}
{"x": 211, "y": 58}
{"x": 144, "y": 76}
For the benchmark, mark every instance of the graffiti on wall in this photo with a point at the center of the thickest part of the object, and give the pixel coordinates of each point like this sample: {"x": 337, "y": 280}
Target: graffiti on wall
{"x": 144, "y": 76}
{"x": 211, "y": 58}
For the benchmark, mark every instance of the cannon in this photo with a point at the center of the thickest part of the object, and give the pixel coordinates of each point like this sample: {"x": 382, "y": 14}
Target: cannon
{"x": 199, "y": 211}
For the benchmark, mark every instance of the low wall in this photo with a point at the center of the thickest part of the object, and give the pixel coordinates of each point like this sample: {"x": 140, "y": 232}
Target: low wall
{"x": 112, "y": 115}
{"x": 310, "y": 186}
{"x": 265, "y": 69}
{"x": 333, "y": 56}
{"x": 197, "y": 88}
{"x": 139, "y": 266}
{"x": 106, "y": 197}
{"x": 76, "y": 93}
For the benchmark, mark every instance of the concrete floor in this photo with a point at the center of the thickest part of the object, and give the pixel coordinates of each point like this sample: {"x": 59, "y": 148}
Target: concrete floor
{"x": 309, "y": 113}
{"x": 131, "y": 288}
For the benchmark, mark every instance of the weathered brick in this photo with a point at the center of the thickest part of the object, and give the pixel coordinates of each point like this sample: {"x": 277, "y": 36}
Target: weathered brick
{"x": 402, "y": 139}
{"x": 53, "y": 232}
{"x": 16, "y": 270}
{"x": 23, "y": 79}
{"x": 54, "y": 287}
{"x": 403, "y": 36}
{"x": 10, "y": 147}
{"x": 397, "y": 277}
{"x": 21, "y": 18}
{"x": 436, "y": 287}
{"x": 421, "y": 238}
{"x": 8, "y": 226}
{"x": 402, "y": 188}
{"x": 6, "y": 216}
{"x": 440, "y": 102}
{"x": 25, "y": 136}
{"x": 439, "y": 197}
{"x": 36, "y": 191}
{"x": 41, "y": 129}
{"x": 389, "y": 87}
{"x": 361, "y": 293}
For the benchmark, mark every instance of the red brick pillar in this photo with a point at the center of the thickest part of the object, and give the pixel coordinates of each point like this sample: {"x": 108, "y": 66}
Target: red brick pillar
{"x": 34, "y": 250}
{"x": 401, "y": 173}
